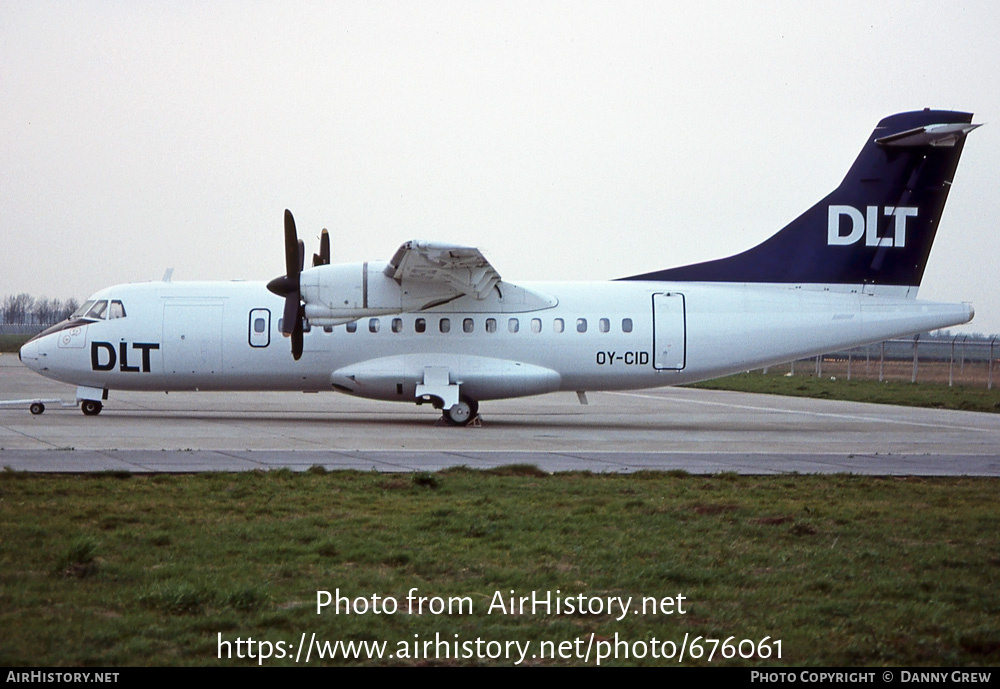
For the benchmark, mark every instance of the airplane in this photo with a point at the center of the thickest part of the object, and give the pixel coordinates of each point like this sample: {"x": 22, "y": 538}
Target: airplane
{"x": 436, "y": 324}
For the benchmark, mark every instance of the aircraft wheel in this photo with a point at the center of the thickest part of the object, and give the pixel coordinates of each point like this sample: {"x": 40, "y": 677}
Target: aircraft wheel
{"x": 36, "y": 408}
{"x": 91, "y": 407}
{"x": 462, "y": 413}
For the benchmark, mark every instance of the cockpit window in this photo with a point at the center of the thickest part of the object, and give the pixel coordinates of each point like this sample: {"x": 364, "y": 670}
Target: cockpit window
{"x": 97, "y": 310}
{"x": 117, "y": 310}
{"x": 83, "y": 309}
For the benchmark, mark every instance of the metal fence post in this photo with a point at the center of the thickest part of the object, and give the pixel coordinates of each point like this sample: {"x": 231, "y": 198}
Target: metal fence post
{"x": 951, "y": 363}
{"x": 989, "y": 384}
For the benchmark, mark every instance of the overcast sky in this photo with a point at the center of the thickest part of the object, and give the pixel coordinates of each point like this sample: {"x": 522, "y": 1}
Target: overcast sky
{"x": 569, "y": 141}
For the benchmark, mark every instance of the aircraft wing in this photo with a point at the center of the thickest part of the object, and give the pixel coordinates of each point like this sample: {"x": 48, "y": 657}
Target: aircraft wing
{"x": 461, "y": 268}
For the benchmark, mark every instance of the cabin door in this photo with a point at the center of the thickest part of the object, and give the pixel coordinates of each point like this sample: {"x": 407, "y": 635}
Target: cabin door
{"x": 669, "y": 334}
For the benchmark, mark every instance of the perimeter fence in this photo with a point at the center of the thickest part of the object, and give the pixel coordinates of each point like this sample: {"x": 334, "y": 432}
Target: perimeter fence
{"x": 22, "y": 328}
{"x": 959, "y": 360}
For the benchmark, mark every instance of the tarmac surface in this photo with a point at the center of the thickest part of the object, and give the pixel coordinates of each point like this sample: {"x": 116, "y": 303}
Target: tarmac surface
{"x": 699, "y": 431}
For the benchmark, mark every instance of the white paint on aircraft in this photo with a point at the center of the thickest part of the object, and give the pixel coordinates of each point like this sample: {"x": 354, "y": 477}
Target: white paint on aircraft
{"x": 437, "y": 324}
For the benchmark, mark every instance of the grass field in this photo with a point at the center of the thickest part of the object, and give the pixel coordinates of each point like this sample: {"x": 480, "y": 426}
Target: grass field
{"x": 891, "y": 391}
{"x": 12, "y": 343}
{"x": 116, "y": 569}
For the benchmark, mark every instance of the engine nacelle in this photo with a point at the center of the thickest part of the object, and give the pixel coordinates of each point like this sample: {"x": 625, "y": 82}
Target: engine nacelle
{"x": 335, "y": 294}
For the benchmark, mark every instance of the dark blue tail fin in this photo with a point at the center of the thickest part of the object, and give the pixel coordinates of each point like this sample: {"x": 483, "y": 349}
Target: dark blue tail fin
{"x": 876, "y": 228}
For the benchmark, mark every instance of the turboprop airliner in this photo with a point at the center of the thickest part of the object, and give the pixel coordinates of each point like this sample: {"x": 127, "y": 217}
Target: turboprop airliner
{"x": 437, "y": 325}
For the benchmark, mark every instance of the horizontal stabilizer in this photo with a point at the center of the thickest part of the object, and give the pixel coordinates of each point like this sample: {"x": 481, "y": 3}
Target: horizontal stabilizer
{"x": 931, "y": 135}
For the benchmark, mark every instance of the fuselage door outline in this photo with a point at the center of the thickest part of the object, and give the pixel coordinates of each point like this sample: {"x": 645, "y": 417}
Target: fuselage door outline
{"x": 669, "y": 331}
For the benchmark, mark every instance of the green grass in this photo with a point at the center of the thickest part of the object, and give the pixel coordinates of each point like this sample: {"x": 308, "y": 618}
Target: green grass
{"x": 936, "y": 395}
{"x": 845, "y": 571}
{"x": 13, "y": 343}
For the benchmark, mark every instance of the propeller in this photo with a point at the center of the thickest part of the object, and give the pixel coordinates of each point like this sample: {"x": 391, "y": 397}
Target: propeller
{"x": 323, "y": 257}
{"x": 288, "y": 285}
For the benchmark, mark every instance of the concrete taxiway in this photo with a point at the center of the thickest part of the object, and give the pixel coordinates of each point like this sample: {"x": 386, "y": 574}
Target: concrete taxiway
{"x": 698, "y": 431}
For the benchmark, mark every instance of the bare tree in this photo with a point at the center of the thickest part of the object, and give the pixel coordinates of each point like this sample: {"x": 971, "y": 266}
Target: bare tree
{"x": 43, "y": 310}
{"x": 68, "y": 307}
{"x": 23, "y": 309}
{"x": 17, "y": 308}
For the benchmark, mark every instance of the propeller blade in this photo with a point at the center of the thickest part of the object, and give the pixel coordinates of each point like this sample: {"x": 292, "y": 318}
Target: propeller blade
{"x": 324, "y": 247}
{"x": 292, "y": 265}
{"x": 289, "y": 286}
{"x": 323, "y": 257}
{"x": 291, "y": 314}
{"x": 297, "y": 335}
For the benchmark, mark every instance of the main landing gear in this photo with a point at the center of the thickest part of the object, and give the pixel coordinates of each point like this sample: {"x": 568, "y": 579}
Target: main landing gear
{"x": 462, "y": 413}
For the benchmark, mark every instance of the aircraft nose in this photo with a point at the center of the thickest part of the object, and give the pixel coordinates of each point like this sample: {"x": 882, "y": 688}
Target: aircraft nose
{"x": 29, "y": 353}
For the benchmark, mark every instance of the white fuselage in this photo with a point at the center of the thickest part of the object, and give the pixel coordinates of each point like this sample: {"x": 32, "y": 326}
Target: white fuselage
{"x": 593, "y": 336}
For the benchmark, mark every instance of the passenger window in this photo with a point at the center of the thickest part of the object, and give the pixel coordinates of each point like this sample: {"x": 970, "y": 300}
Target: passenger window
{"x": 397, "y": 325}
{"x": 260, "y": 320}
{"x": 513, "y": 325}
{"x": 420, "y": 325}
{"x": 491, "y": 325}
{"x": 558, "y": 325}
{"x": 352, "y": 327}
{"x": 581, "y": 325}
{"x": 536, "y": 325}
{"x": 468, "y": 325}
{"x": 445, "y": 325}
{"x": 626, "y": 325}
{"x": 117, "y": 310}
{"x": 373, "y": 325}
{"x": 604, "y": 325}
